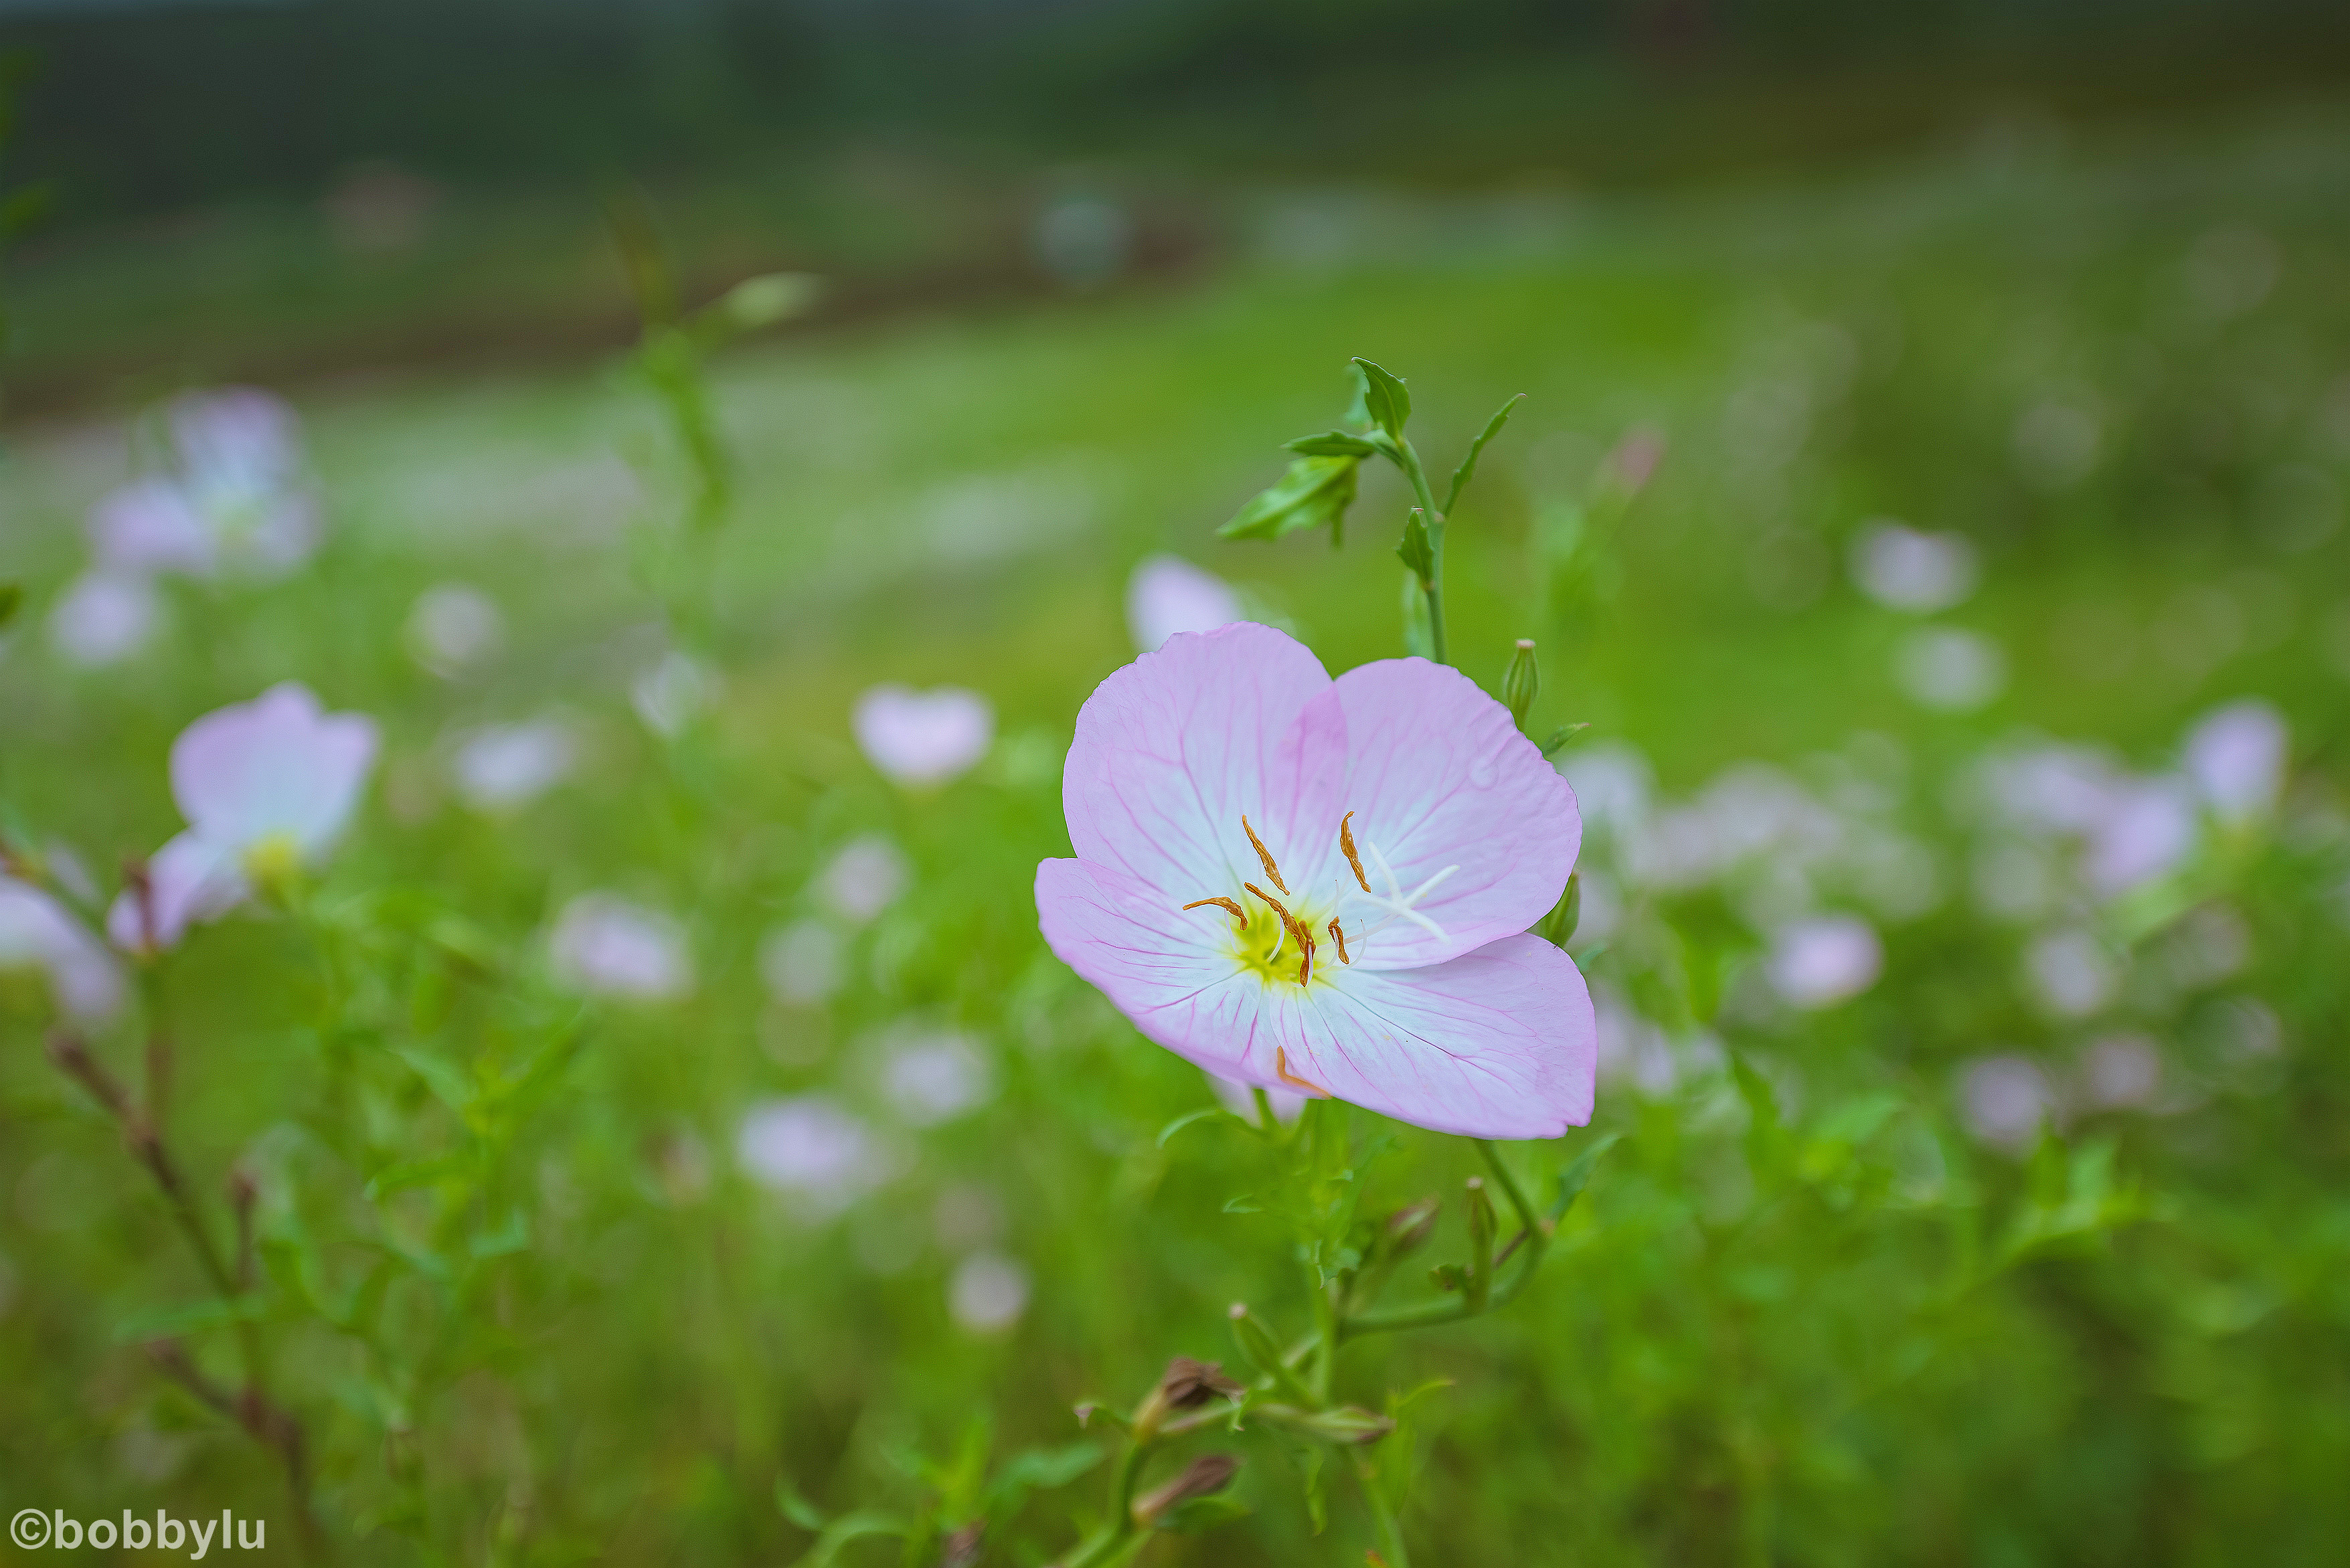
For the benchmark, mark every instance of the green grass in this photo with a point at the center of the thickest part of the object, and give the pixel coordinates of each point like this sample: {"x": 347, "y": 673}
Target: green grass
{"x": 1861, "y": 1338}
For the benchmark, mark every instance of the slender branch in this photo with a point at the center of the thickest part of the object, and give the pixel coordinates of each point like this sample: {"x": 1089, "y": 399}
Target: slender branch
{"x": 1383, "y": 1519}
{"x": 1407, "y": 460}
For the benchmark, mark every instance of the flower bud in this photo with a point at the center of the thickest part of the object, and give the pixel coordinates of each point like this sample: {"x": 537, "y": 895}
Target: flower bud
{"x": 1406, "y": 1229}
{"x": 1522, "y": 684}
{"x": 1203, "y": 1477}
{"x": 962, "y": 1548}
{"x": 1186, "y": 1386}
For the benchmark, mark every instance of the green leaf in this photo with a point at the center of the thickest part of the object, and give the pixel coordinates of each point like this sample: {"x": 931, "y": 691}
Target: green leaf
{"x": 1577, "y": 1176}
{"x": 410, "y": 1173}
{"x": 1467, "y": 469}
{"x": 192, "y": 1317}
{"x": 1199, "y": 1513}
{"x": 1384, "y": 398}
{"x": 796, "y": 1508}
{"x": 1316, "y": 490}
{"x": 1337, "y": 444}
{"x": 12, "y": 600}
{"x": 1419, "y": 626}
{"x": 1185, "y": 1120}
{"x": 513, "y": 1236}
{"x": 449, "y": 1083}
{"x": 851, "y": 1527}
{"x": 1561, "y": 736}
{"x": 1419, "y": 557}
{"x": 1558, "y": 927}
{"x": 1039, "y": 1469}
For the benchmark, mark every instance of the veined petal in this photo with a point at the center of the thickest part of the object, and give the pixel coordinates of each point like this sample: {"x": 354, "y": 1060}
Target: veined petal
{"x": 1437, "y": 776}
{"x": 1498, "y": 1043}
{"x": 277, "y": 764}
{"x": 1164, "y": 967}
{"x": 1173, "y": 749}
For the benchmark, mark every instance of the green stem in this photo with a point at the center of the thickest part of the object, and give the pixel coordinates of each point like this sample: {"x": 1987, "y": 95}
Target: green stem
{"x": 1104, "y": 1547}
{"x": 1531, "y": 1243}
{"x": 1383, "y": 1518}
{"x": 1409, "y": 460}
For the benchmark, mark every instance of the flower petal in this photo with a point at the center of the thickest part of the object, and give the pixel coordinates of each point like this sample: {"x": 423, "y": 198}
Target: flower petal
{"x": 1163, "y": 967}
{"x": 277, "y": 764}
{"x": 1437, "y": 776}
{"x": 1171, "y": 750}
{"x": 1499, "y": 1043}
{"x": 191, "y": 878}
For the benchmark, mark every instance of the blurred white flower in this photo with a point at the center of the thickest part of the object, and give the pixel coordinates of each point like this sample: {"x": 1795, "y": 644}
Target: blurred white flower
{"x": 1167, "y": 594}
{"x": 934, "y": 1078}
{"x": 235, "y": 438}
{"x": 1905, "y": 569}
{"x": 500, "y": 767}
{"x": 864, "y": 879}
{"x": 39, "y": 932}
{"x": 2052, "y": 788}
{"x": 669, "y": 695}
{"x": 2004, "y": 1099}
{"x": 1238, "y": 1098}
{"x": 988, "y": 1294}
{"x": 1822, "y": 961}
{"x": 2071, "y": 973}
{"x": 266, "y": 788}
{"x": 2149, "y": 829}
{"x": 810, "y": 1150}
{"x": 104, "y": 618}
{"x": 1950, "y": 670}
{"x": 151, "y": 525}
{"x": 232, "y": 500}
{"x": 451, "y": 628}
{"x": 2236, "y": 757}
{"x": 803, "y": 963}
{"x": 924, "y": 737}
{"x": 2120, "y": 1072}
{"x": 606, "y": 946}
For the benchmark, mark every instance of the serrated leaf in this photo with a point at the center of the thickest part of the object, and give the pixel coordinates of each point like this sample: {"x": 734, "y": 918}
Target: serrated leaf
{"x": 1316, "y": 490}
{"x": 1467, "y": 469}
{"x": 1334, "y": 443}
{"x": 1384, "y": 398}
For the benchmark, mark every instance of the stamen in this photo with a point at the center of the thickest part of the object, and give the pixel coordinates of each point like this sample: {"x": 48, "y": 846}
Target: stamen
{"x": 1240, "y": 915}
{"x": 1338, "y": 934}
{"x": 1347, "y": 843}
{"x": 1291, "y": 926}
{"x": 1281, "y": 1070}
{"x": 1305, "y": 941}
{"x": 1263, "y": 854}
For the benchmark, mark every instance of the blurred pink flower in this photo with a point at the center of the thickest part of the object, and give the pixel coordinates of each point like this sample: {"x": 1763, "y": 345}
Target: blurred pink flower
{"x": 266, "y": 786}
{"x": 1902, "y": 569}
{"x": 2121, "y": 1072}
{"x": 1299, "y": 965}
{"x": 2237, "y": 758}
{"x": 606, "y": 946}
{"x": 104, "y": 618}
{"x": 1167, "y": 594}
{"x": 502, "y": 767}
{"x": 2004, "y": 1099}
{"x": 239, "y": 438}
{"x": 2147, "y": 829}
{"x": 924, "y": 737}
{"x": 988, "y": 1294}
{"x": 934, "y": 1078}
{"x": 152, "y": 525}
{"x": 864, "y": 879}
{"x": 1236, "y": 1097}
{"x": 1634, "y": 460}
{"x": 37, "y": 931}
{"x": 809, "y": 1150}
{"x": 1822, "y": 961}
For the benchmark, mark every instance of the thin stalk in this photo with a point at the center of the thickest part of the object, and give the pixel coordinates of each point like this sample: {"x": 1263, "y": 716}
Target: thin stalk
{"x": 1383, "y": 1519}
{"x": 1409, "y": 460}
{"x": 1104, "y": 1546}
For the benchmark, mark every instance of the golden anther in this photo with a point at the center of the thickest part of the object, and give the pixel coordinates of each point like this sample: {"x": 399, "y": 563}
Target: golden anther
{"x": 1240, "y": 915}
{"x": 1347, "y": 843}
{"x": 1278, "y": 907}
{"x": 1281, "y": 1070}
{"x": 1306, "y": 945}
{"x": 1265, "y": 854}
{"x": 1338, "y": 933}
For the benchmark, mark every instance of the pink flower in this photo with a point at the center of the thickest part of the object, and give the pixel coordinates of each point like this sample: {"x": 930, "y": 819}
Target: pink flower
{"x": 2237, "y": 755}
{"x": 924, "y": 737}
{"x": 37, "y": 932}
{"x": 1167, "y": 594}
{"x": 104, "y": 618}
{"x": 1362, "y": 933}
{"x": 606, "y": 946}
{"x": 1822, "y": 961}
{"x": 266, "y": 786}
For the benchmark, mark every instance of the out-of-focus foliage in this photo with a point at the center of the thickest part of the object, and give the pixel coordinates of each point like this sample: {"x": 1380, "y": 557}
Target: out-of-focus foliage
{"x": 1980, "y": 1195}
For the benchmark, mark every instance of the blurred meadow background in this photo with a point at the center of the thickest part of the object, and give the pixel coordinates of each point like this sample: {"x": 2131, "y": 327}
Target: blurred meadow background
{"x": 663, "y": 1132}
